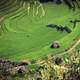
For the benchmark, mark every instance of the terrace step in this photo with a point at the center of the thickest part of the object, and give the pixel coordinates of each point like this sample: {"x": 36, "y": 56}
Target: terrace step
{"x": 9, "y": 7}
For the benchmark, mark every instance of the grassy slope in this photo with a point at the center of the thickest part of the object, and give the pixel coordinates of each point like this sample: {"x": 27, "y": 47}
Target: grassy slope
{"x": 28, "y": 36}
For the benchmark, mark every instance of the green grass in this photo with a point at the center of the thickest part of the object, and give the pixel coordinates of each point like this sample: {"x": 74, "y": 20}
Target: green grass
{"x": 29, "y": 38}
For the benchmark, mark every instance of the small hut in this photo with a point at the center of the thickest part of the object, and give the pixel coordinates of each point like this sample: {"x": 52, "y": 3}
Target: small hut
{"x": 24, "y": 62}
{"x": 21, "y": 69}
{"x": 55, "y": 45}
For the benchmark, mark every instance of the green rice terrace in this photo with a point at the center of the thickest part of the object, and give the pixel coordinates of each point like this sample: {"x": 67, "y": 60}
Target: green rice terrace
{"x": 26, "y": 32}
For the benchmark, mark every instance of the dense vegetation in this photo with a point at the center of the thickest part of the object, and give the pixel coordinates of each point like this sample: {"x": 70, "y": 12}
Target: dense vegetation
{"x": 50, "y": 68}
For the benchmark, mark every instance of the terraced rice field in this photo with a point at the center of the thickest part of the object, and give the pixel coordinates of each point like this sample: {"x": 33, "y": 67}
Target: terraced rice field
{"x": 26, "y": 36}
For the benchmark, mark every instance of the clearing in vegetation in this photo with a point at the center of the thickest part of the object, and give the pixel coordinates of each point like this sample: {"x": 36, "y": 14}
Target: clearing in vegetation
{"x": 25, "y": 36}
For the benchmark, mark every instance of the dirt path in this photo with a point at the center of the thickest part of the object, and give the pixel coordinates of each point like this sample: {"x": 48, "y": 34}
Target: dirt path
{"x": 73, "y": 47}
